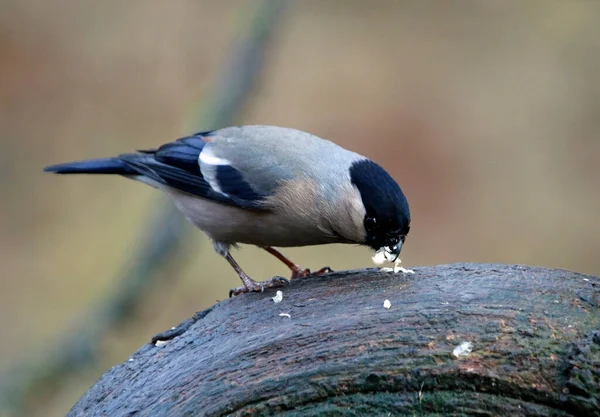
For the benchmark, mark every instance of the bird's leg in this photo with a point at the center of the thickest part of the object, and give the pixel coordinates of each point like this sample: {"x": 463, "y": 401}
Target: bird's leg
{"x": 249, "y": 283}
{"x": 297, "y": 270}
{"x": 222, "y": 248}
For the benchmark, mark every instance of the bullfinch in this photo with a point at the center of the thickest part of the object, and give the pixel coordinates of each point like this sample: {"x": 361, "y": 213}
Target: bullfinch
{"x": 271, "y": 187}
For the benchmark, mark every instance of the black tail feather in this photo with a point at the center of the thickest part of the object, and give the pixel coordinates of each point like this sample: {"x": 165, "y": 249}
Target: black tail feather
{"x": 93, "y": 166}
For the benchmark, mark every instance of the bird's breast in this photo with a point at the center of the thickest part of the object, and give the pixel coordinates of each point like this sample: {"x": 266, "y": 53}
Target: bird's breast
{"x": 275, "y": 226}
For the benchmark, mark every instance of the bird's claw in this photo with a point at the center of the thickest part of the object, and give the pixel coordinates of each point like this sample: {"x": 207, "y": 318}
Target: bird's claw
{"x": 255, "y": 286}
{"x": 302, "y": 273}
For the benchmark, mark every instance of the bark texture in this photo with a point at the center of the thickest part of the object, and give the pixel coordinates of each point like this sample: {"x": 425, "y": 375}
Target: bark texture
{"x": 534, "y": 335}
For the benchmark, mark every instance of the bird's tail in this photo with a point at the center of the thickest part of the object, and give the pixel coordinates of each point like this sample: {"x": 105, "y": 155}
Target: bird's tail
{"x": 93, "y": 166}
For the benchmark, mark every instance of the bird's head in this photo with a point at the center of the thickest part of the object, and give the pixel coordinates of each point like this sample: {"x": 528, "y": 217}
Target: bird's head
{"x": 387, "y": 216}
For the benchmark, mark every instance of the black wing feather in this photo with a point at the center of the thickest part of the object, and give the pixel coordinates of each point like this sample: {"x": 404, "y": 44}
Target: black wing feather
{"x": 233, "y": 183}
{"x": 176, "y": 164}
{"x": 179, "y": 155}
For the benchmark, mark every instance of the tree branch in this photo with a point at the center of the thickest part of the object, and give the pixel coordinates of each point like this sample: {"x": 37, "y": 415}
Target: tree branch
{"x": 534, "y": 338}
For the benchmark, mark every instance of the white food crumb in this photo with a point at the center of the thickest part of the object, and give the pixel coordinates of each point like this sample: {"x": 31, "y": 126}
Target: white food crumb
{"x": 160, "y": 343}
{"x": 278, "y": 297}
{"x": 387, "y": 304}
{"x": 380, "y": 259}
{"x": 586, "y": 279}
{"x": 383, "y": 255}
{"x": 284, "y": 314}
{"x": 463, "y": 349}
{"x": 130, "y": 360}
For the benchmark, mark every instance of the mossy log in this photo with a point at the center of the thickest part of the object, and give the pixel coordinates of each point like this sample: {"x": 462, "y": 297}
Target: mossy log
{"x": 533, "y": 336}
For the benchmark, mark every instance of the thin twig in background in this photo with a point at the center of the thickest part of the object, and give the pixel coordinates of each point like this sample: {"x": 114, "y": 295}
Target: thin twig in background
{"x": 165, "y": 237}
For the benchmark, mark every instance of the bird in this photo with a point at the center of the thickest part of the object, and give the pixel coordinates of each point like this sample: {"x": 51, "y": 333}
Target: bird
{"x": 271, "y": 187}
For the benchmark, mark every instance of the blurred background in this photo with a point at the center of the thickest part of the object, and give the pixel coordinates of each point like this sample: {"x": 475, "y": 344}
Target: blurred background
{"x": 486, "y": 112}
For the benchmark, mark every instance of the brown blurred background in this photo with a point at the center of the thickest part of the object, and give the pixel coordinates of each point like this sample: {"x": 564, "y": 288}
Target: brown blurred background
{"x": 486, "y": 112}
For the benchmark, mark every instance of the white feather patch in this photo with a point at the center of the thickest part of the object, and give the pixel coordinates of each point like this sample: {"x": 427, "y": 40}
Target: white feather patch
{"x": 214, "y": 185}
{"x": 208, "y": 158}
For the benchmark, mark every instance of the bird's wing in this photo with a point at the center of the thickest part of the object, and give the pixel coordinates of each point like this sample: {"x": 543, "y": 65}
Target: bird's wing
{"x": 245, "y": 165}
{"x": 178, "y": 165}
{"x": 241, "y": 170}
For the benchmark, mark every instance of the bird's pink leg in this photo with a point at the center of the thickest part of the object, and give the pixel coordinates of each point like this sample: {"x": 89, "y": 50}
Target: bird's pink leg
{"x": 297, "y": 270}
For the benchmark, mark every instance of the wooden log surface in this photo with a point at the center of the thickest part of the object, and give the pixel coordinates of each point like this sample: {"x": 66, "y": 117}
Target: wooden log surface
{"x": 534, "y": 335}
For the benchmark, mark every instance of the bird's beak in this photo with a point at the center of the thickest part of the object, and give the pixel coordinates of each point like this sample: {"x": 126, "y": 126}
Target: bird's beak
{"x": 395, "y": 250}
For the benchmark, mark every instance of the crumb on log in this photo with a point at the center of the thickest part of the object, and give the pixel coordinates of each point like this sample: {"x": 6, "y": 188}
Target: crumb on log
{"x": 465, "y": 339}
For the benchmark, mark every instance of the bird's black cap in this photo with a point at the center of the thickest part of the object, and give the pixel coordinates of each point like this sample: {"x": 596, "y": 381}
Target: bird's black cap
{"x": 387, "y": 219}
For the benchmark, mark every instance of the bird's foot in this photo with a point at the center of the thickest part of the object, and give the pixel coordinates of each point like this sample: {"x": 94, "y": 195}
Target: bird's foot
{"x": 299, "y": 272}
{"x": 255, "y": 286}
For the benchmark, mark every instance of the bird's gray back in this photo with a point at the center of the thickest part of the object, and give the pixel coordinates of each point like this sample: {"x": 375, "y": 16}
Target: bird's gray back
{"x": 267, "y": 155}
